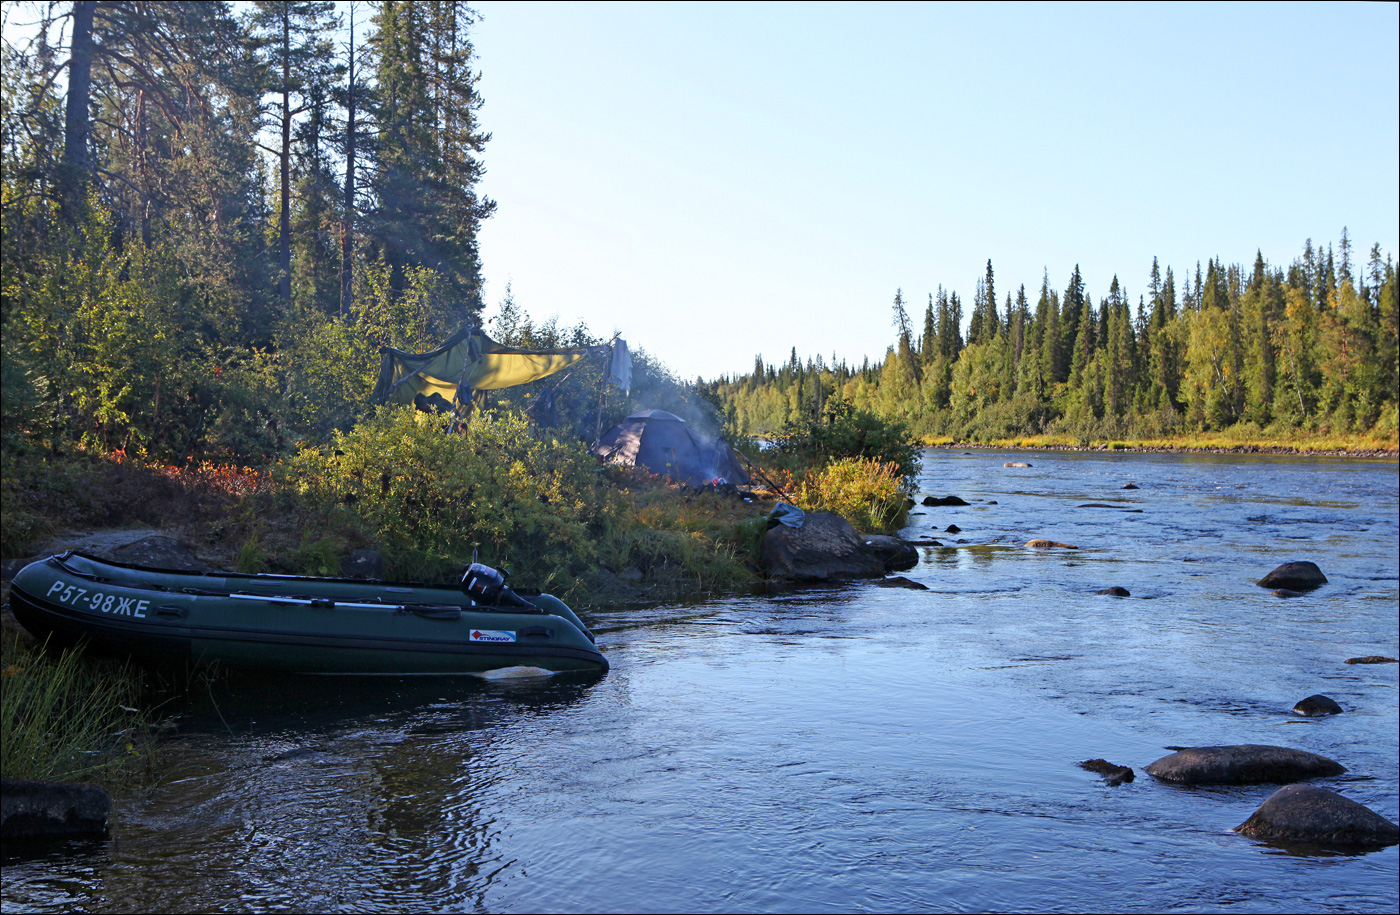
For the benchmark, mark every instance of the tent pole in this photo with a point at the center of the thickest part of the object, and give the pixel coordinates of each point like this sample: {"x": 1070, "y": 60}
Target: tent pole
{"x": 602, "y": 392}
{"x": 761, "y": 475}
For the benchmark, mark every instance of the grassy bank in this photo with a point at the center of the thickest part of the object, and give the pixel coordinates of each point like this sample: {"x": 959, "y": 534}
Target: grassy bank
{"x": 68, "y": 718}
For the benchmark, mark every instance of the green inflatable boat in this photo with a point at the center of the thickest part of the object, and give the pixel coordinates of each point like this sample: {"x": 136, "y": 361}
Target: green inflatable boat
{"x": 298, "y": 624}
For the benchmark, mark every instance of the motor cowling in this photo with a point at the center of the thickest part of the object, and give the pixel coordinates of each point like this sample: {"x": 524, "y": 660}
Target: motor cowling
{"x": 487, "y": 586}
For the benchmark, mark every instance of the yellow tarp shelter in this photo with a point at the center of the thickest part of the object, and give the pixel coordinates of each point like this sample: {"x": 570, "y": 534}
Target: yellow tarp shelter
{"x": 468, "y": 362}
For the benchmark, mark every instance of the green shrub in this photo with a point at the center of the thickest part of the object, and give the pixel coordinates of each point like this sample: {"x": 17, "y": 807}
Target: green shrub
{"x": 252, "y": 557}
{"x": 320, "y": 557}
{"x": 844, "y": 431}
{"x": 533, "y": 506}
{"x": 866, "y": 492}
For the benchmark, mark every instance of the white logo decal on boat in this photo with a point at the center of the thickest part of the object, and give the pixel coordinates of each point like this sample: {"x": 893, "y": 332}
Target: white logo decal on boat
{"x": 492, "y": 635}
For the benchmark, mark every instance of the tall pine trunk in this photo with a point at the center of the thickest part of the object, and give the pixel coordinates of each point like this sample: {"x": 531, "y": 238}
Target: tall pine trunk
{"x": 284, "y": 248}
{"x": 347, "y": 220}
{"x": 76, "y": 124}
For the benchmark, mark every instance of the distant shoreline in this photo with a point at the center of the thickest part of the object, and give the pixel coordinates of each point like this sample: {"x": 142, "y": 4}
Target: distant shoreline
{"x": 1123, "y": 448}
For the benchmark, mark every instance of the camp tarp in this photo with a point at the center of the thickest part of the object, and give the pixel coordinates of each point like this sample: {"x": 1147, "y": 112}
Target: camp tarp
{"x": 665, "y": 444}
{"x": 469, "y": 361}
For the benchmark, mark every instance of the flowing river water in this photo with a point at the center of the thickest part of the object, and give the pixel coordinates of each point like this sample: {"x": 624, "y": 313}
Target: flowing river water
{"x": 834, "y": 749}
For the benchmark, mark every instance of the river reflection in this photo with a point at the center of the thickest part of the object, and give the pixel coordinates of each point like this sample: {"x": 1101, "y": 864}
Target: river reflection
{"x": 834, "y": 749}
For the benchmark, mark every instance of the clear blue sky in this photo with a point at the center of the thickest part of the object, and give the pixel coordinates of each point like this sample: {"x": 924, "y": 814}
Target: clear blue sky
{"x": 721, "y": 180}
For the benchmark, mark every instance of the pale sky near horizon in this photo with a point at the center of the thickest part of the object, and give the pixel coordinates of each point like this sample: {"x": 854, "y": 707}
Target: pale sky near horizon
{"x": 717, "y": 181}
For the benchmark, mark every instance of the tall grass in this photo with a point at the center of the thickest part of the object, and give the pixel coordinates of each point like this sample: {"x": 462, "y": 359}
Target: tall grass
{"x": 866, "y": 492}
{"x": 65, "y": 717}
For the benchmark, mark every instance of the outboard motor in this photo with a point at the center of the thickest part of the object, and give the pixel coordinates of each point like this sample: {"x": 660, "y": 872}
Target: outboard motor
{"x": 487, "y": 586}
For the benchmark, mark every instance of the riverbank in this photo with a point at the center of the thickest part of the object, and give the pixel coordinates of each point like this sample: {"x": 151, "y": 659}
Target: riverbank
{"x": 1329, "y": 447}
{"x": 770, "y": 754}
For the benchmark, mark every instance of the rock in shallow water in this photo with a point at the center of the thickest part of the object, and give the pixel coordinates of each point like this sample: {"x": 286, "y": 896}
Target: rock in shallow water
{"x": 900, "y": 581}
{"x": 1307, "y": 813}
{"x": 1242, "y": 764}
{"x": 1113, "y": 774}
{"x": 34, "y": 810}
{"x": 1294, "y": 576}
{"x": 1316, "y": 706}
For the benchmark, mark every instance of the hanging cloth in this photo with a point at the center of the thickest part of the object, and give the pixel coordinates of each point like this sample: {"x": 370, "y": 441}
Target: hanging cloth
{"x": 620, "y": 372}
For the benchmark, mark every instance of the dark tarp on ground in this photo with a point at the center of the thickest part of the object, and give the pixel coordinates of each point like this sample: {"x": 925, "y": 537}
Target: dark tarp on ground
{"x": 664, "y": 443}
{"x": 469, "y": 361}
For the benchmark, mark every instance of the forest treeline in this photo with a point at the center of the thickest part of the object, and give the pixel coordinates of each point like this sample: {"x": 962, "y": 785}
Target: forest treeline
{"x": 1261, "y": 350}
{"x": 214, "y": 216}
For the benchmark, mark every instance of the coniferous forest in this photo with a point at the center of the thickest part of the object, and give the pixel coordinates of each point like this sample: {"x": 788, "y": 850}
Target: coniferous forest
{"x": 213, "y": 217}
{"x": 1259, "y": 351}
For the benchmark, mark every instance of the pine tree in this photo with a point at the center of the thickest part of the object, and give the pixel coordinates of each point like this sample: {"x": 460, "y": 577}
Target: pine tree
{"x": 905, "y": 345}
{"x": 289, "y": 35}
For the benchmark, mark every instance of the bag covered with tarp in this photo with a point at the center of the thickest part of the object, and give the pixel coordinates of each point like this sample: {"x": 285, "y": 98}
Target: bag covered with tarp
{"x": 446, "y": 378}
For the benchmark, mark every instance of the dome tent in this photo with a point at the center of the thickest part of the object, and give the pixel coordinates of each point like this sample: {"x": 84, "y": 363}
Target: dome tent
{"x": 664, "y": 443}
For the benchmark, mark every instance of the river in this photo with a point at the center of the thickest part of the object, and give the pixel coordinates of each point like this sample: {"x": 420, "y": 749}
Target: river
{"x": 834, "y": 749}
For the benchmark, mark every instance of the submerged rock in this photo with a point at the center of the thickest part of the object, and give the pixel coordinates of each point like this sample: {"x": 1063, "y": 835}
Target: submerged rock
{"x": 1113, "y": 774}
{"x": 1016, "y": 464}
{"x": 1372, "y": 659}
{"x": 1284, "y": 592}
{"x": 900, "y": 582}
{"x": 1242, "y": 764}
{"x": 1130, "y": 486}
{"x": 36, "y": 810}
{"x": 1049, "y": 544}
{"x": 1316, "y": 706}
{"x": 1307, "y": 813}
{"x": 1115, "y": 591}
{"x": 1295, "y": 576}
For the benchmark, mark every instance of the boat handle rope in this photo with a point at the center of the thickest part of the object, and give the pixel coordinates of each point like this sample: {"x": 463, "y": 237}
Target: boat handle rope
{"x": 86, "y": 576}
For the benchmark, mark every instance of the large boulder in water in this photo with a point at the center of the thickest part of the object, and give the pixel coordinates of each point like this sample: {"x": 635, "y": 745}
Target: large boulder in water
{"x": 1307, "y": 813}
{"x": 825, "y": 548}
{"x": 1294, "y": 576}
{"x": 1242, "y": 764}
